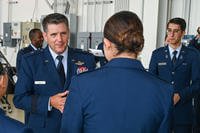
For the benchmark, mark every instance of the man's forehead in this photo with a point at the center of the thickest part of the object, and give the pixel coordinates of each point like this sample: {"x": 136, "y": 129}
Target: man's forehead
{"x": 173, "y": 26}
{"x": 56, "y": 28}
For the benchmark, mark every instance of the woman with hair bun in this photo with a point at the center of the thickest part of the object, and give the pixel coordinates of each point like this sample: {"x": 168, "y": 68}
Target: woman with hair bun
{"x": 120, "y": 97}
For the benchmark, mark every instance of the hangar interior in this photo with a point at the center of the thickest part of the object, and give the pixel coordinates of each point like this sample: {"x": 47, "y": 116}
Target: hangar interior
{"x": 87, "y": 19}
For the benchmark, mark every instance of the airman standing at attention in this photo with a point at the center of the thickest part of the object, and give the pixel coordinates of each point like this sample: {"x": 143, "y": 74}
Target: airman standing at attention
{"x": 179, "y": 66}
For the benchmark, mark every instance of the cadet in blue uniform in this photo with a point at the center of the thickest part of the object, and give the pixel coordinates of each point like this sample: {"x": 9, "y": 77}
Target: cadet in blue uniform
{"x": 8, "y": 125}
{"x": 35, "y": 35}
{"x": 121, "y": 97}
{"x": 44, "y": 76}
{"x": 178, "y": 65}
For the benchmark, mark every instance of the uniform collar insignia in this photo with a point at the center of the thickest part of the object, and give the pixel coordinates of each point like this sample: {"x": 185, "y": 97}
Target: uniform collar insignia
{"x": 46, "y": 61}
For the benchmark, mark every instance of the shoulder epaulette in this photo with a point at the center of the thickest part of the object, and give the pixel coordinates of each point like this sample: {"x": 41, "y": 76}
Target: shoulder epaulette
{"x": 34, "y": 52}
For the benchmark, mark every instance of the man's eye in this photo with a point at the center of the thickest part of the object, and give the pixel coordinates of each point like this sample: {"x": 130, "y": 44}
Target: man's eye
{"x": 64, "y": 34}
{"x": 53, "y": 35}
{"x": 173, "y": 31}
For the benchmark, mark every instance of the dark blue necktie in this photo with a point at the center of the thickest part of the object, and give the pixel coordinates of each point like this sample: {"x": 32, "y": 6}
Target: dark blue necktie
{"x": 60, "y": 69}
{"x": 174, "y": 57}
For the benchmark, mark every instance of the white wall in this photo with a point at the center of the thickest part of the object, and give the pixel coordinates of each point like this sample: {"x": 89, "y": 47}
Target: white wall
{"x": 177, "y": 8}
{"x": 92, "y": 17}
{"x": 1, "y": 15}
{"x": 150, "y": 22}
{"x": 189, "y": 10}
{"x": 137, "y": 6}
{"x": 20, "y": 11}
{"x": 149, "y": 16}
{"x": 162, "y": 21}
{"x": 23, "y": 10}
{"x": 194, "y": 17}
{"x": 183, "y": 7}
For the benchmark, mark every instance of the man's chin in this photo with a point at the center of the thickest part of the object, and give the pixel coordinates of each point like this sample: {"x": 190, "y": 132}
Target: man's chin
{"x": 172, "y": 42}
{"x": 60, "y": 51}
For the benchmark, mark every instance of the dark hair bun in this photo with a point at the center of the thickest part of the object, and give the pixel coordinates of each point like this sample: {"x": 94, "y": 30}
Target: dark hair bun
{"x": 133, "y": 40}
{"x": 125, "y": 30}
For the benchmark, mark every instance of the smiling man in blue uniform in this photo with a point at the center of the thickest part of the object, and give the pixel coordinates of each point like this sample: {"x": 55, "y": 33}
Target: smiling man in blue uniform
{"x": 8, "y": 125}
{"x": 45, "y": 75}
{"x": 178, "y": 65}
{"x": 121, "y": 96}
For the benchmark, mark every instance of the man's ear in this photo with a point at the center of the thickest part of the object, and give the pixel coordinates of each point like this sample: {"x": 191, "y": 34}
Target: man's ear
{"x": 44, "y": 35}
{"x": 183, "y": 33}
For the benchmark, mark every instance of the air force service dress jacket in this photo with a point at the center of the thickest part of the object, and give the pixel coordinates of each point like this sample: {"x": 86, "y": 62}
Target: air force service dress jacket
{"x": 21, "y": 53}
{"x": 120, "y": 98}
{"x": 184, "y": 76}
{"x": 38, "y": 80}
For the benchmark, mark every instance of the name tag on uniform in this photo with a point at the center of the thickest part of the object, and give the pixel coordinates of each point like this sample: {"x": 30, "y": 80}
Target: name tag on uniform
{"x": 162, "y": 63}
{"x": 40, "y": 82}
{"x": 184, "y": 64}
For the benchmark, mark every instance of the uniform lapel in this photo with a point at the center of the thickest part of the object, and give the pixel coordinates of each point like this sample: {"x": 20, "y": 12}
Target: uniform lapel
{"x": 51, "y": 68}
{"x": 167, "y": 57}
{"x": 181, "y": 56}
{"x": 72, "y": 65}
{"x": 69, "y": 68}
